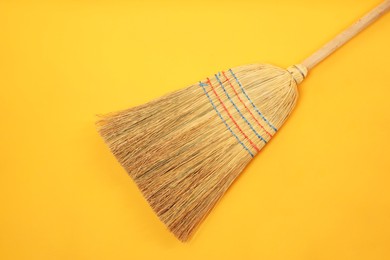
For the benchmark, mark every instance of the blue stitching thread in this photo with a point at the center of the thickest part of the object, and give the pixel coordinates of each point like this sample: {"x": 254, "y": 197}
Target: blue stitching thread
{"x": 243, "y": 91}
{"x": 238, "y": 110}
{"x": 223, "y": 120}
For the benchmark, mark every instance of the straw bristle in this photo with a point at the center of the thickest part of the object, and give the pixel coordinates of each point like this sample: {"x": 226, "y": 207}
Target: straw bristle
{"x": 185, "y": 149}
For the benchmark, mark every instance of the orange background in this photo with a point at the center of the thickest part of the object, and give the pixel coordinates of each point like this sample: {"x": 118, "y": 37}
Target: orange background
{"x": 319, "y": 190}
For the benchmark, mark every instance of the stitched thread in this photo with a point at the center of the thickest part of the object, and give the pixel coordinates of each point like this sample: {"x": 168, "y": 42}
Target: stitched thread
{"x": 243, "y": 91}
{"x": 234, "y": 89}
{"x": 227, "y": 111}
{"x": 238, "y": 110}
{"x": 223, "y": 120}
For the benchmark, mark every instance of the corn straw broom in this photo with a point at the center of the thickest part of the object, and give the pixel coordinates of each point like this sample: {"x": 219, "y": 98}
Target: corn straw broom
{"x": 185, "y": 149}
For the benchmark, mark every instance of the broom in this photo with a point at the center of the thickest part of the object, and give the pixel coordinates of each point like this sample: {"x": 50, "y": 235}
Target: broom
{"x": 185, "y": 149}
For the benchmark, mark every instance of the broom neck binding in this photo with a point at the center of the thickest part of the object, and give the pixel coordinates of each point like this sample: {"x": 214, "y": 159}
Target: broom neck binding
{"x": 298, "y": 72}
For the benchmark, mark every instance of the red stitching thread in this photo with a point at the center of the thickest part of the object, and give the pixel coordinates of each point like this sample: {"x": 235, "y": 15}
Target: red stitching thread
{"x": 227, "y": 79}
{"x": 223, "y": 105}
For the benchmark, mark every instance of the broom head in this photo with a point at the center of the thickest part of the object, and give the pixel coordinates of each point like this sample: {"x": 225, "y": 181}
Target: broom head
{"x": 185, "y": 149}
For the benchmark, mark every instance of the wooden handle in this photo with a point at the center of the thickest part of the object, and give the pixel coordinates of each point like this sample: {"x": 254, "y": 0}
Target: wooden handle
{"x": 346, "y": 35}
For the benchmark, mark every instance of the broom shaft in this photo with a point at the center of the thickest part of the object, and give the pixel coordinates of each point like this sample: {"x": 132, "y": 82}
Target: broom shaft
{"x": 346, "y": 35}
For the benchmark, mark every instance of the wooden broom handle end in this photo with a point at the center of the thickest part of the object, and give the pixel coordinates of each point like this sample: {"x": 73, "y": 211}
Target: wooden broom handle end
{"x": 346, "y": 35}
